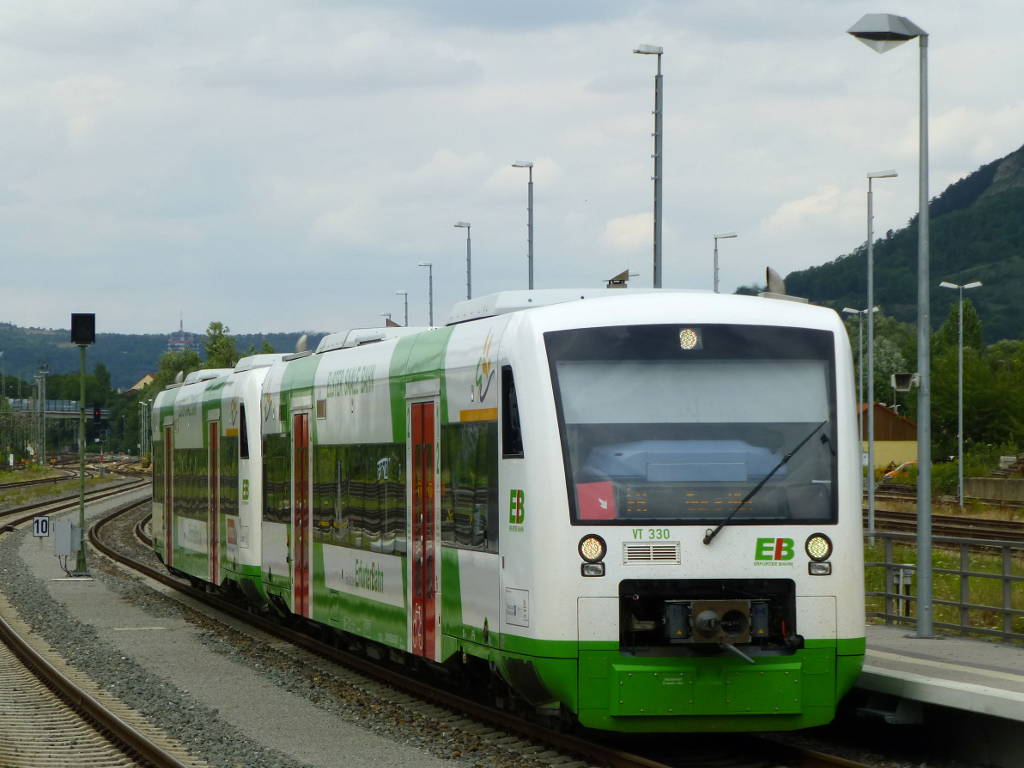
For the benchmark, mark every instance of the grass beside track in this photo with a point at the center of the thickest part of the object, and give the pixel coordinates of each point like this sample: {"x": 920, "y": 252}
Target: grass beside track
{"x": 32, "y": 472}
{"x": 16, "y": 497}
{"x": 981, "y": 590}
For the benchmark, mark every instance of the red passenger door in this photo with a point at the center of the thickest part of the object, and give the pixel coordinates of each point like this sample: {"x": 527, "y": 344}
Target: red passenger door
{"x": 424, "y": 534}
{"x": 300, "y": 514}
{"x": 168, "y": 495}
{"x": 213, "y": 522}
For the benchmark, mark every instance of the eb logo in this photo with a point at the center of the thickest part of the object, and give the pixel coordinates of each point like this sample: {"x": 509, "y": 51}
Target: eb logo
{"x": 773, "y": 549}
{"x": 516, "y": 510}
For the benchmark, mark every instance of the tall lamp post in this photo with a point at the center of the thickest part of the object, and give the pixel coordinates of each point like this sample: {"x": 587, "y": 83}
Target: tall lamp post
{"x": 860, "y": 370}
{"x": 882, "y": 32}
{"x": 871, "y": 346}
{"x": 529, "y": 218}
{"x": 960, "y": 386}
{"x": 83, "y": 333}
{"x": 723, "y": 236}
{"x": 469, "y": 258}
{"x": 405, "y": 296}
{"x": 430, "y": 289}
{"x": 656, "y": 50}
{"x": 860, "y": 367}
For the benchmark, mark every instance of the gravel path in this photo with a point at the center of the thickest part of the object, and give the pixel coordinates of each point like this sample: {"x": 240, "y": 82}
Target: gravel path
{"x": 232, "y": 700}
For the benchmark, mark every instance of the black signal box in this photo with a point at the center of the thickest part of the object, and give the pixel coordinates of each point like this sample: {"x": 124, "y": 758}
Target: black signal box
{"x": 83, "y": 328}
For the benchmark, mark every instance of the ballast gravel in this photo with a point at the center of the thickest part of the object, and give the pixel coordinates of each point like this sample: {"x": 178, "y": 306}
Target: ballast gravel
{"x": 230, "y": 699}
{"x": 234, "y": 698}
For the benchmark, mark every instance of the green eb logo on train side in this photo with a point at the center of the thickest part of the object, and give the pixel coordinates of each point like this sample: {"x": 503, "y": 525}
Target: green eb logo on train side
{"x": 516, "y": 509}
{"x": 773, "y": 551}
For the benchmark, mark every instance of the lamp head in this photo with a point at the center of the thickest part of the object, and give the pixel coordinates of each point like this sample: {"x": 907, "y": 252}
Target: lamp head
{"x": 649, "y": 49}
{"x": 883, "y": 174}
{"x": 462, "y": 224}
{"x": 522, "y": 164}
{"x": 975, "y": 284}
{"x": 945, "y": 284}
{"x": 884, "y": 31}
{"x": 424, "y": 264}
{"x": 725, "y": 236}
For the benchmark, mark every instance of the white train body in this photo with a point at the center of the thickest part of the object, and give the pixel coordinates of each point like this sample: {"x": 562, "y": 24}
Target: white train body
{"x": 643, "y": 507}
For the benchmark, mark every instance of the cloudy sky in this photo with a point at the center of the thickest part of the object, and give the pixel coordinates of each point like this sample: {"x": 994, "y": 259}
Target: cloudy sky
{"x": 283, "y": 166}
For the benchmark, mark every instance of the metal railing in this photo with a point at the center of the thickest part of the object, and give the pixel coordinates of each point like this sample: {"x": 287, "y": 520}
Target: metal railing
{"x": 964, "y": 614}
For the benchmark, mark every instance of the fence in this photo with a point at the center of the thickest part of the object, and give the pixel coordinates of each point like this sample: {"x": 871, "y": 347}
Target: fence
{"x": 972, "y": 583}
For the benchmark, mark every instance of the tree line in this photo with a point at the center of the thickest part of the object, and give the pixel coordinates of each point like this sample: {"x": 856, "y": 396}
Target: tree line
{"x": 117, "y": 431}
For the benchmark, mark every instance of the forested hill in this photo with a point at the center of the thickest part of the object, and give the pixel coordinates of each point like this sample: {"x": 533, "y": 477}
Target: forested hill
{"x": 977, "y": 233}
{"x": 128, "y": 357}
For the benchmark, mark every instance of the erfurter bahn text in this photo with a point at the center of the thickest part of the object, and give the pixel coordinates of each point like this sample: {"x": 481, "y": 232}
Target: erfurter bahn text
{"x": 534, "y": 496}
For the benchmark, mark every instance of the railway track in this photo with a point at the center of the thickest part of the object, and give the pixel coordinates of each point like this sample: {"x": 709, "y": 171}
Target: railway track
{"x": 50, "y": 718}
{"x": 16, "y": 515}
{"x": 454, "y": 712}
{"x": 951, "y": 525}
{"x": 39, "y": 481}
{"x": 908, "y": 493}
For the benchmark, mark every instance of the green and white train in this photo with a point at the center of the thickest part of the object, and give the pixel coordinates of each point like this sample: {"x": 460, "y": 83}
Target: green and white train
{"x": 637, "y": 509}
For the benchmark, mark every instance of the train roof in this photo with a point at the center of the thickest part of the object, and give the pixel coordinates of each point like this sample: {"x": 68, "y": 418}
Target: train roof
{"x": 516, "y": 301}
{"x": 359, "y": 336}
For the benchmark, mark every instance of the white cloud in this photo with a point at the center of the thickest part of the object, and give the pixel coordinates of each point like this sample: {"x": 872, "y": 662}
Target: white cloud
{"x": 793, "y": 215}
{"x": 629, "y": 233}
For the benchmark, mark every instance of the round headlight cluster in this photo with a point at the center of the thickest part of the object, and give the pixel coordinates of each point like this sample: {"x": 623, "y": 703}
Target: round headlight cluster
{"x": 818, "y": 547}
{"x": 592, "y": 548}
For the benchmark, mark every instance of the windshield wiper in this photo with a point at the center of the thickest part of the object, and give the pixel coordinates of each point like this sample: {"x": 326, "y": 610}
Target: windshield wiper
{"x": 710, "y": 534}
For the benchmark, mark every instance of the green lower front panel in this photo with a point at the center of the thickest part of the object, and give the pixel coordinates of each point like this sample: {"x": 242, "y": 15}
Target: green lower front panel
{"x": 625, "y": 693}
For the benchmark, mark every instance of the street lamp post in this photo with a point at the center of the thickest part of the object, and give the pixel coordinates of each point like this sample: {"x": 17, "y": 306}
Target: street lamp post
{"x": 430, "y": 289}
{"x": 469, "y": 258}
{"x": 871, "y": 346}
{"x": 405, "y": 296}
{"x": 882, "y": 32}
{"x": 723, "y": 236}
{"x": 529, "y": 217}
{"x": 860, "y": 382}
{"x": 960, "y": 387}
{"x": 860, "y": 367}
{"x": 656, "y": 50}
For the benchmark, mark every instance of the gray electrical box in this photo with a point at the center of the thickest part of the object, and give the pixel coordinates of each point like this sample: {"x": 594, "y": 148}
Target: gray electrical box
{"x": 66, "y": 538}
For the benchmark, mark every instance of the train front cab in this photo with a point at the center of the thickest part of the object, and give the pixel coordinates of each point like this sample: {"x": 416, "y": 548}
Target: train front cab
{"x": 665, "y": 431}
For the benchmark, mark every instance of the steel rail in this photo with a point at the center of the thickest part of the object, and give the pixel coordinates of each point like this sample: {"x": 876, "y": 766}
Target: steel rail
{"x": 798, "y": 757}
{"x": 113, "y": 727}
{"x": 71, "y": 500}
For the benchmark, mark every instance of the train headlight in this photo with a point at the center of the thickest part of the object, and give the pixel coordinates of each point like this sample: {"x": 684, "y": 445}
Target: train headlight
{"x": 818, "y": 547}
{"x": 592, "y": 548}
{"x": 689, "y": 338}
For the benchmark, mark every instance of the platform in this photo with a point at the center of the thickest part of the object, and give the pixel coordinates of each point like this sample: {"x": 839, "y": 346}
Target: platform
{"x": 948, "y": 671}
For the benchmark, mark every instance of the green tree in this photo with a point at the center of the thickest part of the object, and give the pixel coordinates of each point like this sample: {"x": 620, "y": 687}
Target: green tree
{"x": 220, "y": 347}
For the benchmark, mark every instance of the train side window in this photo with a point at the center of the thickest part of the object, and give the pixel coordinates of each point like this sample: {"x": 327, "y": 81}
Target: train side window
{"x": 511, "y": 435}
{"x": 243, "y": 434}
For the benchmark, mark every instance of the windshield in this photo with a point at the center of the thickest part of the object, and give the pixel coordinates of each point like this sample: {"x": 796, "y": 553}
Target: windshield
{"x": 677, "y": 424}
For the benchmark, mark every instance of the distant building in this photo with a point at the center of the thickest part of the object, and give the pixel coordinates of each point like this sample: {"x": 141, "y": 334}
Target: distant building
{"x": 895, "y": 436}
{"x": 180, "y": 341}
{"x": 142, "y": 383}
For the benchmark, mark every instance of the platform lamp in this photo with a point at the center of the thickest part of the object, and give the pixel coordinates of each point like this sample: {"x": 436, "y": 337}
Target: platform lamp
{"x": 469, "y": 257}
{"x": 882, "y": 32}
{"x": 723, "y": 236}
{"x": 405, "y": 296}
{"x": 529, "y": 219}
{"x": 83, "y": 333}
{"x": 656, "y": 50}
{"x": 960, "y": 386}
{"x": 430, "y": 289}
